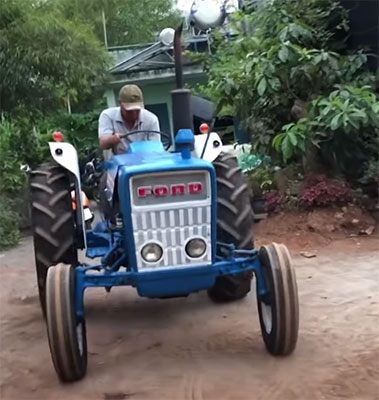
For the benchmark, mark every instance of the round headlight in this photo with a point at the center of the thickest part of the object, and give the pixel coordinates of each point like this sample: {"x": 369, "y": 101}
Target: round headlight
{"x": 195, "y": 248}
{"x": 151, "y": 252}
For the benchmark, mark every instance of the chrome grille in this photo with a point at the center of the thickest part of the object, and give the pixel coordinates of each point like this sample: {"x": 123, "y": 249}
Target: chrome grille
{"x": 172, "y": 225}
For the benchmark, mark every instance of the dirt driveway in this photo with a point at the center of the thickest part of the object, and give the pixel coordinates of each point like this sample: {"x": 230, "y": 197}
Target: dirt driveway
{"x": 191, "y": 349}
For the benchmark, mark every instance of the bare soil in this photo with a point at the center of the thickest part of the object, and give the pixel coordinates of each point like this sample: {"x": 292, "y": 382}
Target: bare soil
{"x": 192, "y": 349}
{"x": 315, "y": 229}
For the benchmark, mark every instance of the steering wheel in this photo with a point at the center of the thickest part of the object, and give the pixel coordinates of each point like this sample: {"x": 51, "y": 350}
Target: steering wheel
{"x": 166, "y": 138}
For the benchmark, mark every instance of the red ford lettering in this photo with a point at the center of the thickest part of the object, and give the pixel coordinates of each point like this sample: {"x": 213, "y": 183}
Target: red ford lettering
{"x": 195, "y": 188}
{"x": 177, "y": 189}
{"x": 161, "y": 191}
{"x": 144, "y": 191}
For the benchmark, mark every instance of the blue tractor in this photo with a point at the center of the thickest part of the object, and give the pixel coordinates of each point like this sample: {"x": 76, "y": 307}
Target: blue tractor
{"x": 178, "y": 220}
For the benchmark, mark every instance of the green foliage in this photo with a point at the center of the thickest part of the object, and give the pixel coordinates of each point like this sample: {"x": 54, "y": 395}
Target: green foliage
{"x": 292, "y": 139}
{"x": 285, "y": 53}
{"x": 52, "y": 57}
{"x": 11, "y": 177}
{"x": 79, "y": 129}
{"x": 260, "y": 178}
{"x": 127, "y": 22}
{"x": 45, "y": 58}
{"x": 348, "y": 109}
{"x": 9, "y": 224}
{"x": 344, "y": 125}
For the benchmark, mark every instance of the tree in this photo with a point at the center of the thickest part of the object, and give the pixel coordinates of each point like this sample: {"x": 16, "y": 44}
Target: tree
{"x": 44, "y": 59}
{"x": 127, "y": 22}
{"x": 284, "y": 75}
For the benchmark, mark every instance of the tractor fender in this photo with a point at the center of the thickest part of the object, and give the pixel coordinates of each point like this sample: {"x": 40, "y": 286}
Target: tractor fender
{"x": 208, "y": 146}
{"x": 66, "y": 155}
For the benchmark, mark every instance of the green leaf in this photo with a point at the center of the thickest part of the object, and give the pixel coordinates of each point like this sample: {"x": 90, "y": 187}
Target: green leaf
{"x": 277, "y": 141}
{"x": 275, "y": 83}
{"x": 292, "y": 137}
{"x": 249, "y": 67}
{"x": 359, "y": 113}
{"x": 354, "y": 123}
{"x": 375, "y": 108}
{"x": 283, "y": 54}
{"x": 334, "y": 124}
{"x": 262, "y": 86}
{"x": 286, "y": 149}
{"x": 283, "y": 34}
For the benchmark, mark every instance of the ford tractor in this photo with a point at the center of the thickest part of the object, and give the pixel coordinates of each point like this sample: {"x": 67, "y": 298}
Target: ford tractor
{"x": 176, "y": 219}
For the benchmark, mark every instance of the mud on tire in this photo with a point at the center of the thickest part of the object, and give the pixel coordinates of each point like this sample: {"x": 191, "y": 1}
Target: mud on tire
{"x": 52, "y": 220}
{"x": 234, "y": 224}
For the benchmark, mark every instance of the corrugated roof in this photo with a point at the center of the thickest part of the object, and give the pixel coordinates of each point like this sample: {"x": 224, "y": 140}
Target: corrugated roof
{"x": 151, "y": 57}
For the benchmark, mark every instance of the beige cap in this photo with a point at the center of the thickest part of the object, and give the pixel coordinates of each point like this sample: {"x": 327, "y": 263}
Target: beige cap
{"x": 131, "y": 97}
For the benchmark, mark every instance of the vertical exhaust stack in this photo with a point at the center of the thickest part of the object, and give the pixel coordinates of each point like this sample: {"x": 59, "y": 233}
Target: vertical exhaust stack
{"x": 181, "y": 98}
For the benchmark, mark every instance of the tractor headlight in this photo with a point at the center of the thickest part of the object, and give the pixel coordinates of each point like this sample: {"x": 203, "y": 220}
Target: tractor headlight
{"x": 151, "y": 252}
{"x": 195, "y": 248}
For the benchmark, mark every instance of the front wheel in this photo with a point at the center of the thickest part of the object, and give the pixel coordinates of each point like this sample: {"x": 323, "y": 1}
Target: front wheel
{"x": 67, "y": 334}
{"x": 279, "y": 308}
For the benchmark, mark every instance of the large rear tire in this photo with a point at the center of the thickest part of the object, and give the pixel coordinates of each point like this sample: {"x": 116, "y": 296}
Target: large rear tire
{"x": 67, "y": 334}
{"x": 234, "y": 225}
{"x": 52, "y": 220}
{"x": 279, "y": 308}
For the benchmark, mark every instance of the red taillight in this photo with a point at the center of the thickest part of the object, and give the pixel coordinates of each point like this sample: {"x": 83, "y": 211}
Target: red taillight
{"x": 58, "y": 136}
{"x": 204, "y": 128}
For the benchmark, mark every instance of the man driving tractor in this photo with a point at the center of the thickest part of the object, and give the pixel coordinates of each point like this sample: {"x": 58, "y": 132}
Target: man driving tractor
{"x": 128, "y": 117}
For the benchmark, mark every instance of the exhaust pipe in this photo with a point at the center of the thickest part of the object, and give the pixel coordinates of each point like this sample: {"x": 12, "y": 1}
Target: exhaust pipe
{"x": 181, "y": 98}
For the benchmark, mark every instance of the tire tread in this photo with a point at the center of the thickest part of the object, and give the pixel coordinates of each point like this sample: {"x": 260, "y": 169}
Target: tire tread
{"x": 234, "y": 224}
{"x": 52, "y": 221}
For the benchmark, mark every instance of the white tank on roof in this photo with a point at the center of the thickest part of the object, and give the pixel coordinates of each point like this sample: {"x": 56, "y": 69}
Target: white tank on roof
{"x": 206, "y": 14}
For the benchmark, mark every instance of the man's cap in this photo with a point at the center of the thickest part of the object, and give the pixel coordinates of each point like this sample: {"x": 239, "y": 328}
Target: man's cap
{"x": 131, "y": 97}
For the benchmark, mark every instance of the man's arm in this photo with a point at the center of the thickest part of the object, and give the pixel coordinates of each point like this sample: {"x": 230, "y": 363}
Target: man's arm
{"x": 155, "y": 124}
{"x": 107, "y": 137}
{"x": 108, "y": 141}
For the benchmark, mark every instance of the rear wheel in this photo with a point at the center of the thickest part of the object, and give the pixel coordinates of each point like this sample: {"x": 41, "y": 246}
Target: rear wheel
{"x": 53, "y": 221}
{"x": 67, "y": 334}
{"x": 279, "y": 308}
{"x": 234, "y": 225}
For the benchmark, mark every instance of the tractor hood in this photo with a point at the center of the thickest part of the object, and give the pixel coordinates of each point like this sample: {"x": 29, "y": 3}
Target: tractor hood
{"x": 148, "y": 158}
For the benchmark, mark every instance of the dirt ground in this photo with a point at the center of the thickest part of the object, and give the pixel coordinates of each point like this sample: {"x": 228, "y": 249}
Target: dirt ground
{"x": 192, "y": 349}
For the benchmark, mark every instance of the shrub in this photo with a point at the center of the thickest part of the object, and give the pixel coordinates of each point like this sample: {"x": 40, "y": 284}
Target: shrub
{"x": 9, "y": 224}
{"x": 11, "y": 177}
{"x": 322, "y": 191}
{"x": 261, "y": 178}
{"x": 273, "y": 199}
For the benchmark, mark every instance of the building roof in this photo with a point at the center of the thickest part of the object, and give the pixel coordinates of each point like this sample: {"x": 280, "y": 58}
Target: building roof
{"x": 153, "y": 61}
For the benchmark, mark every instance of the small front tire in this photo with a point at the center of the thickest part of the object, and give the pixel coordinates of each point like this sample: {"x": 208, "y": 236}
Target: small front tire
{"x": 67, "y": 334}
{"x": 279, "y": 308}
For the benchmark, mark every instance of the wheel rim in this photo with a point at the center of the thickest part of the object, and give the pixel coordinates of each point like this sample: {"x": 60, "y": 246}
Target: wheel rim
{"x": 266, "y": 316}
{"x": 79, "y": 337}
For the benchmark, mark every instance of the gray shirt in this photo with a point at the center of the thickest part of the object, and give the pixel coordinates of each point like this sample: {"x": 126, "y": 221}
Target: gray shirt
{"x": 111, "y": 122}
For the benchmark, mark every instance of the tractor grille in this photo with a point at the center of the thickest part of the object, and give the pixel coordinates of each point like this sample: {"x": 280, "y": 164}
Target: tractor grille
{"x": 171, "y": 221}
